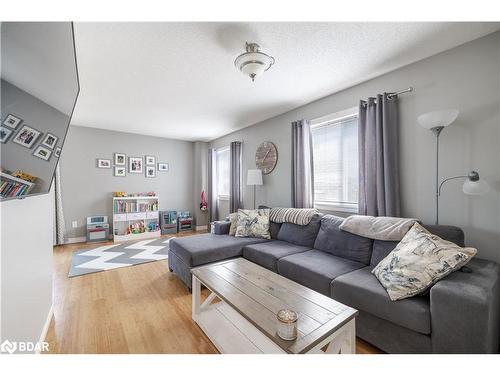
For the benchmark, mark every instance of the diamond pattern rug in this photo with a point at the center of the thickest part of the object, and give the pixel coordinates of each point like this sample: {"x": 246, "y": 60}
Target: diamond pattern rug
{"x": 108, "y": 257}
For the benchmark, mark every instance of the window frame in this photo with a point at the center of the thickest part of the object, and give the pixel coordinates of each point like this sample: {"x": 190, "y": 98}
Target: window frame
{"x": 324, "y": 121}
{"x": 221, "y": 197}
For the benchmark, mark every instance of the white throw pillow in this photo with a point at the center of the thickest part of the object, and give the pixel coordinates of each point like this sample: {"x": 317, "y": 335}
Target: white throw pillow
{"x": 419, "y": 261}
{"x": 233, "y": 218}
{"x": 253, "y": 223}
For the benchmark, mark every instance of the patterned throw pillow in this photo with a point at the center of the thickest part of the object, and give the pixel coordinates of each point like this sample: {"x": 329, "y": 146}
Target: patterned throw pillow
{"x": 419, "y": 261}
{"x": 253, "y": 223}
{"x": 233, "y": 218}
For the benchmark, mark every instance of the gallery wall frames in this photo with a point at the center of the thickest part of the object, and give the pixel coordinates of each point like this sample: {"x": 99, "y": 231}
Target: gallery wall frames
{"x": 104, "y": 163}
{"x": 27, "y": 136}
{"x": 136, "y": 164}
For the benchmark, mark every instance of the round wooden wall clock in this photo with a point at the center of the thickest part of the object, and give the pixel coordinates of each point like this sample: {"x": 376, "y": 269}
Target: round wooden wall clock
{"x": 266, "y": 157}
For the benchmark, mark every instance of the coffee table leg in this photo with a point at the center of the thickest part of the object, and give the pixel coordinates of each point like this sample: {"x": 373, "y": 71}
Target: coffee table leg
{"x": 196, "y": 297}
{"x": 345, "y": 340}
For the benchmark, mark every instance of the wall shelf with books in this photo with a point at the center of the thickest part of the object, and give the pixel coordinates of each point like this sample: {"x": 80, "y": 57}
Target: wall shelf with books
{"x": 136, "y": 218}
{"x": 14, "y": 187}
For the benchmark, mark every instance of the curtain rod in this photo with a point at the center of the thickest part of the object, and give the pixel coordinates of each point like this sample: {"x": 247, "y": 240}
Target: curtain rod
{"x": 409, "y": 89}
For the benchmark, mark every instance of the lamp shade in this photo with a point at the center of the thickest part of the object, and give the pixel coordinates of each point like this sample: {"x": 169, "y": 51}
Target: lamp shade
{"x": 478, "y": 187}
{"x": 254, "y": 177}
{"x": 438, "y": 118}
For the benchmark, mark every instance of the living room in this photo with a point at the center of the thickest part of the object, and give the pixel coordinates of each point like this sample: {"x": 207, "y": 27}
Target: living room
{"x": 244, "y": 187}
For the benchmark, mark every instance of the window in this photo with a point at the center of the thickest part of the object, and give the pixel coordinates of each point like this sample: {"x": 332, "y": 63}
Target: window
{"x": 335, "y": 156}
{"x": 222, "y": 171}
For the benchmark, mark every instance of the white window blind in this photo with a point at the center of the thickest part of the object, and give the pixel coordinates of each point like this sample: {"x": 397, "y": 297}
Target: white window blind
{"x": 335, "y": 156}
{"x": 222, "y": 169}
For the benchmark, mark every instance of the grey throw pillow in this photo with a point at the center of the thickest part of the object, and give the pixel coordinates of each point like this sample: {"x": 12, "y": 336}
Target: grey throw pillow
{"x": 253, "y": 223}
{"x": 419, "y": 261}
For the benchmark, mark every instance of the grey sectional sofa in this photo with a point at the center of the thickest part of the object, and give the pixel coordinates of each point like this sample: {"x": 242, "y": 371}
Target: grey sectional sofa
{"x": 460, "y": 314}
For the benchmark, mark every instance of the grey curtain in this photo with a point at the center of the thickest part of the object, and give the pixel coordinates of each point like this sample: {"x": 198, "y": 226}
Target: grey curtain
{"x": 235, "y": 176}
{"x": 60, "y": 224}
{"x": 378, "y": 157}
{"x": 213, "y": 213}
{"x": 302, "y": 165}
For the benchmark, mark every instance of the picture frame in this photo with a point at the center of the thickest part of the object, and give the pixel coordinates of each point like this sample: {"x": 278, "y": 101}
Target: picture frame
{"x": 104, "y": 163}
{"x": 27, "y": 136}
{"x": 120, "y": 171}
{"x": 150, "y": 171}
{"x": 57, "y": 152}
{"x": 120, "y": 159}
{"x": 163, "y": 167}
{"x": 12, "y": 121}
{"x": 135, "y": 165}
{"x": 5, "y": 134}
{"x": 42, "y": 152}
{"x": 150, "y": 160}
{"x": 50, "y": 141}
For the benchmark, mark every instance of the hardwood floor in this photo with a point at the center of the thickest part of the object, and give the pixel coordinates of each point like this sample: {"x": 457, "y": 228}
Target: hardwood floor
{"x": 138, "y": 309}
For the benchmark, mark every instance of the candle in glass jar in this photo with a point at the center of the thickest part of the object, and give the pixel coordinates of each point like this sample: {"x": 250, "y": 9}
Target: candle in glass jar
{"x": 287, "y": 324}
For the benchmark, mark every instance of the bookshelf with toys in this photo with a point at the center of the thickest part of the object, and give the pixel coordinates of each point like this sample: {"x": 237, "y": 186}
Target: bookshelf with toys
{"x": 135, "y": 216}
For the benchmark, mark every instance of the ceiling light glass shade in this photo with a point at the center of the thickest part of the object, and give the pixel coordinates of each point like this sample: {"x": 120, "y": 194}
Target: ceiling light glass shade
{"x": 478, "y": 187}
{"x": 253, "y": 63}
{"x": 436, "y": 119}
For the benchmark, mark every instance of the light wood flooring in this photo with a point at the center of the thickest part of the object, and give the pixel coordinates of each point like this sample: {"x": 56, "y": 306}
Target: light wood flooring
{"x": 138, "y": 309}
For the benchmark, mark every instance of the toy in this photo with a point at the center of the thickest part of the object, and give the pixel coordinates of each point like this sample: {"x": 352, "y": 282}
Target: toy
{"x": 203, "y": 204}
{"x": 119, "y": 194}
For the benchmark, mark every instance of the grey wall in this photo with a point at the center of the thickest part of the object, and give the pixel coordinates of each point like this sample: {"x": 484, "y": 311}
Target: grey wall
{"x": 467, "y": 78}
{"x": 87, "y": 190}
{"x": 26, "y": 267}
{"x": 40, "y": 116}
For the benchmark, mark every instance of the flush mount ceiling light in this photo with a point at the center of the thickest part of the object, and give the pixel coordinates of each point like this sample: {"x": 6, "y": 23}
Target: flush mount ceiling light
{"x": 253, "y": 62}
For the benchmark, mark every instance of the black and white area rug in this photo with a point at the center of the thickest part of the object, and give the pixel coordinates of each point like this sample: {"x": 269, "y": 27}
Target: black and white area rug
{"x": 108, "y": 257}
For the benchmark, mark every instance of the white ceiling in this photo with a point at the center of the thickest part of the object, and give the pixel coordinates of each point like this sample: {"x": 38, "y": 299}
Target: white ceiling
{"x": 177, "y": 80}
{"x": 39, "y": 58}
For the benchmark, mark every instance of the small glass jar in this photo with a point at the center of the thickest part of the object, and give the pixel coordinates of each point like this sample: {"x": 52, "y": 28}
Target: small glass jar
{"x": 287, "y": 324}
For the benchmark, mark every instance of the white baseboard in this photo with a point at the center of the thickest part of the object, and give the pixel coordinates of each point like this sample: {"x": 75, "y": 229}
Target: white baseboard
{"x": 201, "y": 227}
{"x": 76, "y": 240}
{"x": 46, "y": 326}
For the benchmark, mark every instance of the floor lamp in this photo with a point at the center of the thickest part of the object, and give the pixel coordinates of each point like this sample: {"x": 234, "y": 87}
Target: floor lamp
{"x": 436, "y": 121}
{"x": 254, "y": 177}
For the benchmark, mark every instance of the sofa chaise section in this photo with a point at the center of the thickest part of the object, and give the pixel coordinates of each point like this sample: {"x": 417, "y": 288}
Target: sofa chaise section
{"x": 188, "y": 252}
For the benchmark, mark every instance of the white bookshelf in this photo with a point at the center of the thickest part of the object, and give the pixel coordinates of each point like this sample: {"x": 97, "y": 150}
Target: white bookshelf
{"x": 7, "y": 177}
{"x": 132, "y": 211}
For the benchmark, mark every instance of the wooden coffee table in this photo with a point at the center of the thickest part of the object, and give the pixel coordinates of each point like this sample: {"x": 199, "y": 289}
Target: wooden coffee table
{"x": 239, "y": 316}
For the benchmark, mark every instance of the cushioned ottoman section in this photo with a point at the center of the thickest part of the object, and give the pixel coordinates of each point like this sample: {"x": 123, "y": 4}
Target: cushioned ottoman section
{"x": 361, "y": 290}
{"x": 302, "y": 235}
{"x": 315, "y": 269}
{"x": 267, "y": 254}
{"x": 341, "y": 243}
{"x": 207, "y": 248}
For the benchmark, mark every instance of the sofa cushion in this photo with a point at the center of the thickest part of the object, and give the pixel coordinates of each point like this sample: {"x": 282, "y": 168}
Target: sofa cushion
{"x": 315, "y": 269}
{"x": 206, "y": 248}
{"x": 302, "y": 235}
{"x": 274, "y": 229}
{"x": 447, "y": 232}
{"x": 361, "y": 290}
{"x": 267, "y": 254}
{"x": 341, "y": 243}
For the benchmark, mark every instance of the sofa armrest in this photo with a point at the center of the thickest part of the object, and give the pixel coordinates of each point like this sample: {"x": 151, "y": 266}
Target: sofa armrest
{"x": 221, "y": 227}
{"x": 465, "y": 310}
